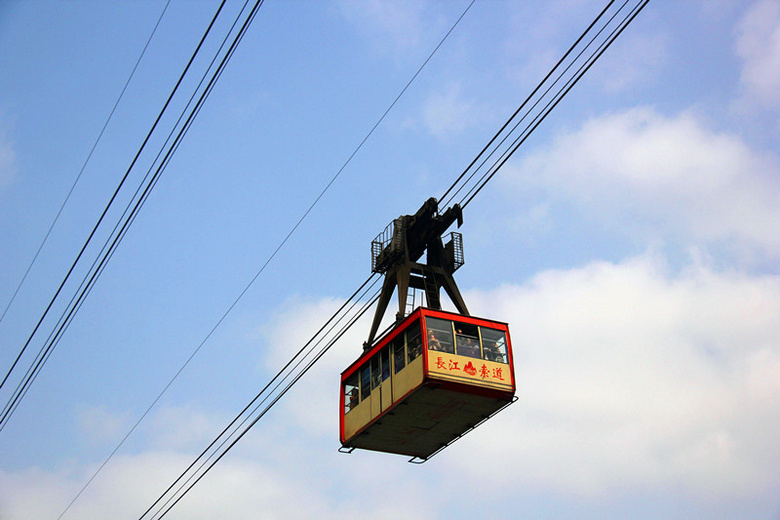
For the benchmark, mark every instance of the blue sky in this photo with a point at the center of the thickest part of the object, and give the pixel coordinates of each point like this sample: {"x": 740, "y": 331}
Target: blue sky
{"x": 631, "y": 244}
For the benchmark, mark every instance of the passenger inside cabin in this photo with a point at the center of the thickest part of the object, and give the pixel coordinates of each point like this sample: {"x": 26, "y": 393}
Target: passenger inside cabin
{"x": 433, "y": 342}
{"x": 414, "y": 341}
{"x": 491, "y": 352}
{"x": 466, "y": 345}
{"x": 494, "y": 345}
{"x": 414, "y": 351}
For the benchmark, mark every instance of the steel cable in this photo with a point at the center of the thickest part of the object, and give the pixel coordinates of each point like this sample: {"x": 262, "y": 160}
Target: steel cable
{"x": 267, "y": 392}
{"x": 603, "y": 46}
{"x": 194, "y": 476}
{"x": 522, "y": 105}
{"x": 508, "y": 131}
{"x": 272, "y": 256}
{"x": 27, "y": 379}
{"x": 86, "y": 161}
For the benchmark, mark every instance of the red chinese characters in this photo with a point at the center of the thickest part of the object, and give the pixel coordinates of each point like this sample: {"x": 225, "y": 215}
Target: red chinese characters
{"x": 449, "y": 364}
{"x": 484, "y": 372}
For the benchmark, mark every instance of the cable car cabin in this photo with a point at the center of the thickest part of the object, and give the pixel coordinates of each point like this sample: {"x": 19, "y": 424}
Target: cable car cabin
{"x": 427, "y": 382}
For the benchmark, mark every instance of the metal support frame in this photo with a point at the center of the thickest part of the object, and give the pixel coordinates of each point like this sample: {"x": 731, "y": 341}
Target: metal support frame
{"x": 396, "y": 250}
{"x": 421, "y": 460}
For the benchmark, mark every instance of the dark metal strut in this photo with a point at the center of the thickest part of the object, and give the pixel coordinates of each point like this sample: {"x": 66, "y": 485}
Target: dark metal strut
{"x": 396, "y": 251}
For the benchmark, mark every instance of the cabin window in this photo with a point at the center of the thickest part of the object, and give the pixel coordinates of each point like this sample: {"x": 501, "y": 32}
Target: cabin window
{"x": 467, "y": 340}
{"x": 375, "y": 372}
{"x": 439, "y": 335}
{"x": 414, "y": 341}
{"x": 351, "y": 392}
{"x": 399, "y": 353}
{"x": 494, "y": 345}
{"x": 384, "y": 362}
{"x": 365, "y": 381}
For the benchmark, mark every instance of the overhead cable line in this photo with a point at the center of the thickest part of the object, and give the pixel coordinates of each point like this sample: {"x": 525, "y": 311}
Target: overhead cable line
{"x": 517, "y": 112}
{"x": 129, "y": 216}
{"x": 333, "y": 329}
{"x": 552, "y": 103}
{"x": 86, "y": 161}
{"x": 46, "y": 349}
{"x": 269, "y": 259}
{"x": 507, "y": 140}
{"x": 208, "y": 458}
{"x": 13, "y": 365}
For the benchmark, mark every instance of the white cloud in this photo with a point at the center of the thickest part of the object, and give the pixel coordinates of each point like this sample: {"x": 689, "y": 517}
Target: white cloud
{"x": 758, "y": 44}
{"x": 7, "y": 160}
{"x": 100, "y": 424}
{"x": 635, "y": 61}
{"x": 660, "y": 175}
{"x": 33, "y": 494}
{"x": 633, "y": 379}
{"x": 446, "y": 113}
{"x": 397, "y": 22}
{"x": 285, "y": 334}
{"x": 276, "y": 471}
{"x": 236, "y": 488}
{"x": 184, "y": 427}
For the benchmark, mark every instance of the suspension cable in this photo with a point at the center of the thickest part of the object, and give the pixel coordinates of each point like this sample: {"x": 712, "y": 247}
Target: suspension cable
{"x": 192, "y": 475}
{"x": 41, "y": 357}
{"x": 89, "y": 280}
{"x": 86, "y": 161}
{"x": 173, "y": 497}
{"x": 522, "y": 105}
{"x": 487, "y": 176}
{"x": 571, "y": 60}
{"x": 270, "y": 258}
{"x": 111, "y": 200}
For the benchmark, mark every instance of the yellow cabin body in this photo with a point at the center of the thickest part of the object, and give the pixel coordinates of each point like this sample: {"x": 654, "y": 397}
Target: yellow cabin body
{"x": 427, "y": 382}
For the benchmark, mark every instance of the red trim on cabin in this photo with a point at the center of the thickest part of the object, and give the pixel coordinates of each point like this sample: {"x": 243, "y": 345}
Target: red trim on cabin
{"x": 381, "y": 342}
{"x": 419, "y": 314}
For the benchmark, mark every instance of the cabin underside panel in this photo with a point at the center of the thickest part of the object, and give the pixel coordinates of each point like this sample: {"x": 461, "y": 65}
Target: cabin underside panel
{"x": 427, "y": 419}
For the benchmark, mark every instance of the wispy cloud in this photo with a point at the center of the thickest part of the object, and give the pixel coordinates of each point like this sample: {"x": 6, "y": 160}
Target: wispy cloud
{"x": 99, "y": 424}
{"x": 447, "y": 113}
{"x": 633, "y": 379}
{"x": 277, "y": 471}
{"x": 636, "y": 62}
{"x": 399, "y": 23}
{"x": 8, "y": 166}
{"x": 662, "y": 175}
{"x": 239, "y": 488}
{"x": 758, "y": 44}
